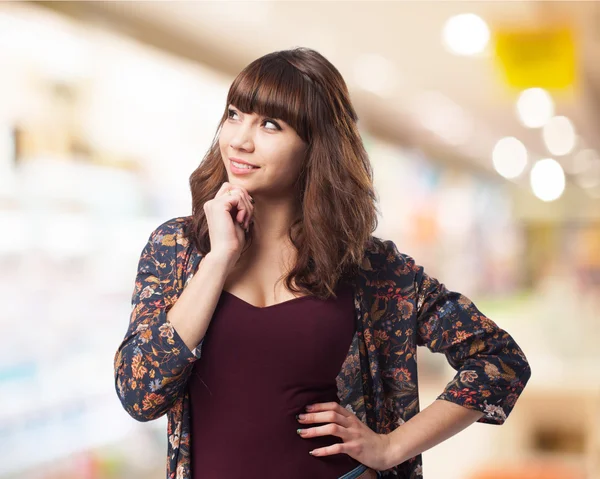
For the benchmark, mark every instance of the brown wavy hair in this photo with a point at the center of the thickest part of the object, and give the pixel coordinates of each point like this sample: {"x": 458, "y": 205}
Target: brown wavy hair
{"x": 335, "y": 186}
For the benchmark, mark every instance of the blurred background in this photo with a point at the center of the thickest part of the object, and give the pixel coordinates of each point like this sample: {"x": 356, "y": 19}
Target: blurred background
{"x": 481, "y": 120}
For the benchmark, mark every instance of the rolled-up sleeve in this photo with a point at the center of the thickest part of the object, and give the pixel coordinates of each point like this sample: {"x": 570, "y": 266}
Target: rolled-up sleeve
{"x": 152, "y": 363}
{"x": 492, "y": 370}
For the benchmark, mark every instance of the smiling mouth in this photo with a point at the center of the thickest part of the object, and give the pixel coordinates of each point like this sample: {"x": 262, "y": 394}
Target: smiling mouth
{"x": 243, "y": 165}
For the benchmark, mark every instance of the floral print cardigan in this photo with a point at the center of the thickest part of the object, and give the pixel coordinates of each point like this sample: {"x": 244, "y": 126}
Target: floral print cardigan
{"x": 398, "y": 307}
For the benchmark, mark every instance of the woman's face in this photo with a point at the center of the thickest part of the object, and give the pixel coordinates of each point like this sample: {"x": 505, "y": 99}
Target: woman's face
{"x": 268, "y": 143}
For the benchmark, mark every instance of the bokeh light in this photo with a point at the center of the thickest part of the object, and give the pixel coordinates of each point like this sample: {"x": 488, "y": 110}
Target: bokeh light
{"x": 509, "y": 157}
{"x": 547, "y": 179}
{"x": 535, "y": 107}
{"x": 465, "y": 34}
{"x": 559, "y": 135}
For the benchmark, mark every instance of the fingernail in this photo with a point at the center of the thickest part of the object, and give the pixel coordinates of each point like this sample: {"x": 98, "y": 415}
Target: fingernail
{"x": 299, "y": 431}
{"x": 251, "y": 200}
{"x": 309, "y": 407}
{"x": 300, "y": 416}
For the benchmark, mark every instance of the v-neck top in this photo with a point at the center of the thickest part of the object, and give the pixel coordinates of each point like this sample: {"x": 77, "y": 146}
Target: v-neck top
{"x": 260, "y": 366}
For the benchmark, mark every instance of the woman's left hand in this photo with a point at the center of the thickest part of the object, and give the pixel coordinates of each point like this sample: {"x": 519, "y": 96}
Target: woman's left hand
{"x": 359, "y": 441}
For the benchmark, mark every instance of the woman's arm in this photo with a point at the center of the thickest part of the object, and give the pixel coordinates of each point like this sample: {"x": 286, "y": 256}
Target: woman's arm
{"x": 433, "y": 425}
{"x": 153, "y": 362}
{"x": 492, "y": 370}
{"x": 193, "y": 311}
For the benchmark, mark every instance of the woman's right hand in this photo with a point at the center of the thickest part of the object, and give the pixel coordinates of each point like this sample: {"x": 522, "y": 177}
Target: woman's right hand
{"x": 229, "y": 216}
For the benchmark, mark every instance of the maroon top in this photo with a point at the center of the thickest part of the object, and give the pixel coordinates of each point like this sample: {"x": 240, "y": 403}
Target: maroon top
{"x": 259, "y": 368}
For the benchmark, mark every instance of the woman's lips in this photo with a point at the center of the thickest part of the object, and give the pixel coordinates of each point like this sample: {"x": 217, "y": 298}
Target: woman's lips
{"x": 241, "y": 171}
{"x": 243, "y": 162}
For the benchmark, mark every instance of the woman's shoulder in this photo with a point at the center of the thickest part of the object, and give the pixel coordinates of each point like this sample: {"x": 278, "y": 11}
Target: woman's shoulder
{"x": 171, "y": 233}
{"x": 383, "y": 253}
{"x": 172, "y": 250}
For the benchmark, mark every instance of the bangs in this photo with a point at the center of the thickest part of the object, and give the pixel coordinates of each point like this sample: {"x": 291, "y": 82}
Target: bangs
{"x": 274, "y": 88}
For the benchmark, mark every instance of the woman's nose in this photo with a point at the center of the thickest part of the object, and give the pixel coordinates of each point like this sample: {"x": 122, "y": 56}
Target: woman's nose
{"x": 242, "y": 138}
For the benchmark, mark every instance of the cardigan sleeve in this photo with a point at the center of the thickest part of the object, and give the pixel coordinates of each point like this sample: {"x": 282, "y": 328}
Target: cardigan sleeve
{"x": 492, "y": 370}
{"x": 152, "y": 363}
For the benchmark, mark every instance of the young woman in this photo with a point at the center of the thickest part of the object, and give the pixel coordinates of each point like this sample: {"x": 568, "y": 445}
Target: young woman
{"x": 274, "y": 296}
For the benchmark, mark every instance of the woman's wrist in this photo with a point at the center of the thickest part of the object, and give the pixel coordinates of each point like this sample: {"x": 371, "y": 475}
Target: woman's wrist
{"x": 219, "y": 261}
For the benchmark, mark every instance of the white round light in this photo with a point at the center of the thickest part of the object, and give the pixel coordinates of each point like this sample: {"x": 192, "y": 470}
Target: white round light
{"x": 465, "y": 34}
{"x": 547, "y": 179}
{"x": 509, "y": 157}
{"x": 535, "y": 107}
{"x": 559, "y": 135}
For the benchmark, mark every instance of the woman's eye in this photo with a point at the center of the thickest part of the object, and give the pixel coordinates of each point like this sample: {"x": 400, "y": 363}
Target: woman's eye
{"x": 231, "y": 112}
{"x": 277, "y": 127}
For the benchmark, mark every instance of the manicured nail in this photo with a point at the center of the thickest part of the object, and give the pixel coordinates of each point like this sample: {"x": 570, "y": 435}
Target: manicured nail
{"x": 251, "y": 200}
{"x": 300, "y": 416}
{"x": 309, "y": 407}
{"x": 299, "y": 431}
